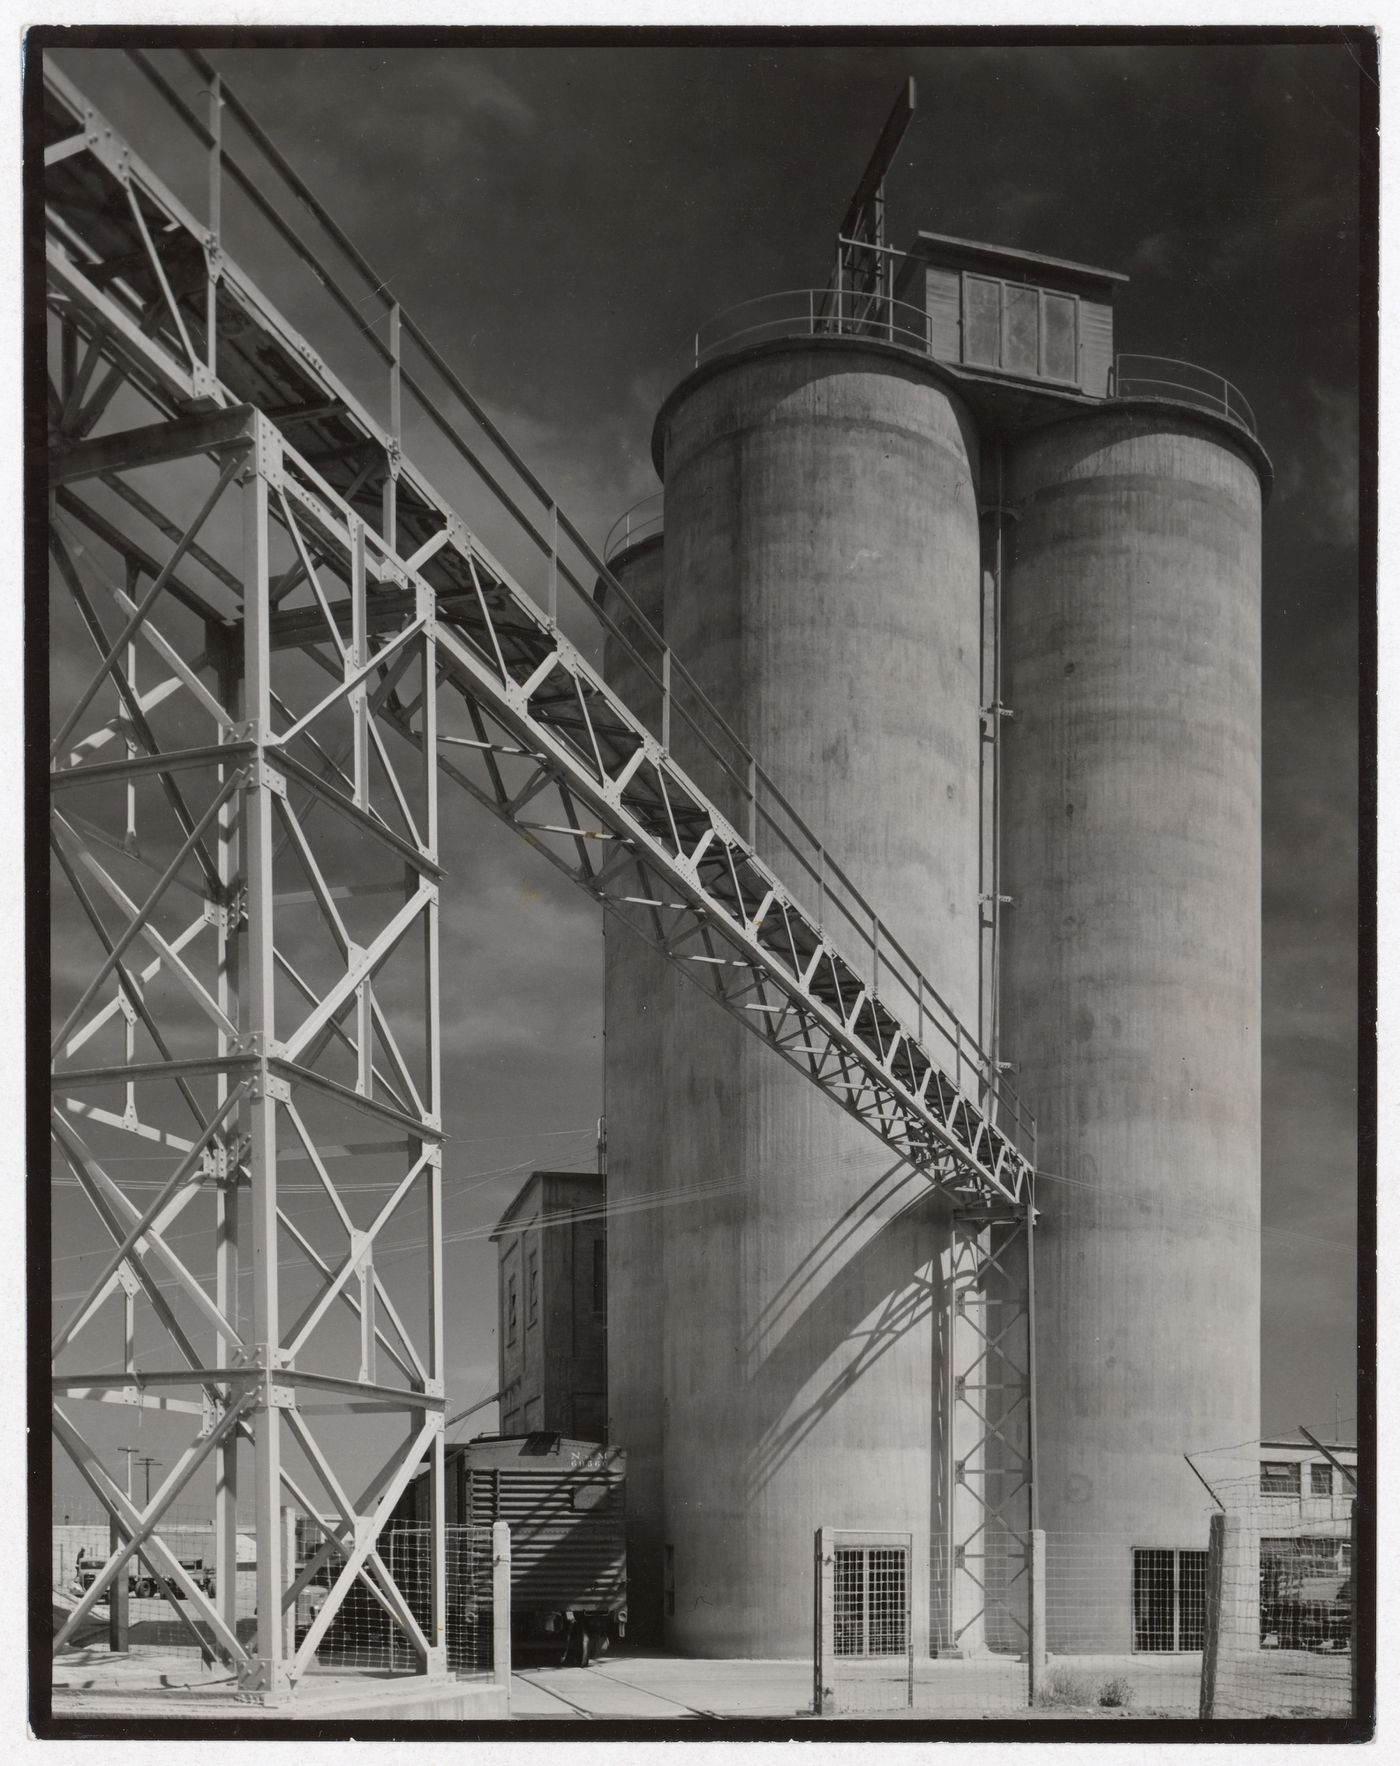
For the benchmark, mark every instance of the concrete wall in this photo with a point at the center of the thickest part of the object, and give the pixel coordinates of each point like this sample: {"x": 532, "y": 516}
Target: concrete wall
{"x": 559, "y": 1352}
{"x": 821, "y": 566}
{"x": 638, "y": 985}
{"x": 1131, "y": 989}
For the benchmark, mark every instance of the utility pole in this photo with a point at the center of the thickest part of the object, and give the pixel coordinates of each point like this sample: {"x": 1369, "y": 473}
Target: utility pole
{"x": 147, "y": 1462}
{"x": 119, "y": 1594}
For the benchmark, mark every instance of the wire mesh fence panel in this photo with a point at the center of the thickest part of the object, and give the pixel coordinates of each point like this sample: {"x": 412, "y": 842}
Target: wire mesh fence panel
{"x": 155, "y": 1614}
{"x": 979, "y": 1603}
{"x": 864, "y": 1621}
{"x": 1019, "y": 1624}
{"x": 1279, "y": 1627}
{"x": 364, "y": 1635}
{"x": 1123, "y": 1625}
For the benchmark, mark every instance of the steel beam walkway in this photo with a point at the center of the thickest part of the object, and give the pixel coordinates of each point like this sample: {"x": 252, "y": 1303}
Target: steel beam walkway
{"x": 253, "y": 568}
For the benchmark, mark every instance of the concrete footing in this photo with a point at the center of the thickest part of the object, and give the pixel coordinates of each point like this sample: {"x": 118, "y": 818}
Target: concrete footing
{"x": 93, "y": 1682}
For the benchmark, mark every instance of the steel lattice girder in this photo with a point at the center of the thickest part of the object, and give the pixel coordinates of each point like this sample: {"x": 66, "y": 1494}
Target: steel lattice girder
{"x": 511, "y": 662}
{"x": 128, "y": 300}
{"x": 249, "y": 763}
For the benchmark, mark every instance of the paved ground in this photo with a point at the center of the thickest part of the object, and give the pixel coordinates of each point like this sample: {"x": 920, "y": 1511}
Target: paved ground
{"x": 663, "y": 1687}
{"x": 646, "y": 1685}
{"x": 1284, "y": 1683}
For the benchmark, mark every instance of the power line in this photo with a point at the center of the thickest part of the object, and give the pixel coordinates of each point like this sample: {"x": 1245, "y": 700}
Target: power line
{"x": 477, "y": 1233}
{"x": 458, "y": 1186}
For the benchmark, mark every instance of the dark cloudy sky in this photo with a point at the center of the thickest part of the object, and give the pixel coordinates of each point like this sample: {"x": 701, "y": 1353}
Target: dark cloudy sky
{"x": 560, "y": 219}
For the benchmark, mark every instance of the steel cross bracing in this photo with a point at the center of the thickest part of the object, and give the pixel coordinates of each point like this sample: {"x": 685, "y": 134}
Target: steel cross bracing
{"x": 255, "y": 856}
{"x": 351, "y": 570}
{"x": 989, "y": 1440}
{"x": 548, "y": 712}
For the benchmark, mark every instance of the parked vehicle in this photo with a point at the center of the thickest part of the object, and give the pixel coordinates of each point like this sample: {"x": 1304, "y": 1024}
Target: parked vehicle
{"x": 565, "y": 1503}
{"x": 139, "y": 1585}
{"x": 1311, "y": 1612}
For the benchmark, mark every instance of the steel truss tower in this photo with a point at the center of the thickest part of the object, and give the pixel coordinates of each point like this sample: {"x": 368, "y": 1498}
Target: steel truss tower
{"x": 289, "y": 645}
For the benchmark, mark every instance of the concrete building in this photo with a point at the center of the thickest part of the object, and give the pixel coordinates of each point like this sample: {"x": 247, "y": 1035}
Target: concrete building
{"x": 553, "y": 1298}
{"x": 989, "y": 609}
{"x": 1296, "y": 1477}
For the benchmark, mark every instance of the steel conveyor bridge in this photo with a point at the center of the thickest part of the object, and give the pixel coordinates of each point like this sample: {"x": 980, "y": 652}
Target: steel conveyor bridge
{"x": 294, "y": 639}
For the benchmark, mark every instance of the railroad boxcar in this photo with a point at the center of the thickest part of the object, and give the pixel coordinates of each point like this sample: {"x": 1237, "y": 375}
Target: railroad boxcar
{"x": 565, "y": 1504}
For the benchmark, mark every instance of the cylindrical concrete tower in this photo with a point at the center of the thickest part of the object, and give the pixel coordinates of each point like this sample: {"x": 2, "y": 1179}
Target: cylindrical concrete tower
{"x": 637, "y": 986}
{"x": 1131, "y": 985}
{"x": 822, "y": 584}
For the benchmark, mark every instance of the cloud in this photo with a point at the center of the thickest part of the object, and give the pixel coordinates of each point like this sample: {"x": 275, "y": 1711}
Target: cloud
{"x": 480, "y": 92}
{"x": 1335, "y": 488}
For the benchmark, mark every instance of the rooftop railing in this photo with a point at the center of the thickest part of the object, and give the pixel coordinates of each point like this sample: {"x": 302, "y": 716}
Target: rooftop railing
{"x": 1163, "y": 377}
{"x": 812, "y": 312}
{"x": 643, "y": 520}
{"x": 822, "y": 312}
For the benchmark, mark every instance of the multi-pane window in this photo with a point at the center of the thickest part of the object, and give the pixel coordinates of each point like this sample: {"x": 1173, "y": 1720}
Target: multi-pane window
{"x": 1020, "y": 329}
{"x": 1281, "y": 1477}
{"x": 533, "y": 1293}
{"x": 510, "y": 1310}
{"x": 871, "y": 1590}
{"x": 1169, "y": 1599}
{"x": 1320, "y": 1478}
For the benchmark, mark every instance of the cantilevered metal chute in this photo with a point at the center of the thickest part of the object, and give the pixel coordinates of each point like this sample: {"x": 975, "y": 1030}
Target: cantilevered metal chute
{"x": 860, "y": 292}
{"x": 250, "y": 834}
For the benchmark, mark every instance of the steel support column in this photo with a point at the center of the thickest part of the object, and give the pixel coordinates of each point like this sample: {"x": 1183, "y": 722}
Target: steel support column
{"x": 303, "y": 664}
{"x": 256, "y": 1045}
{"x": 988, "y": 1476}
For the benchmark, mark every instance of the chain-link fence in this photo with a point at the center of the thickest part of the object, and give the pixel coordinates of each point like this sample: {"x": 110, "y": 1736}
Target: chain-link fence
{"x": 1280, "y": 1640}
{"x": 140, "y": 1610}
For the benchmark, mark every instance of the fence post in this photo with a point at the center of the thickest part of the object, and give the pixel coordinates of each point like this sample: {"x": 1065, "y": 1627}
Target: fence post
{"x": 289, "y": 1570}
{"x": 118, "y": 1595}
{"x": 824, "y": 1624}
{"x": 500, "y": 1604}
{"x": 1215, "y": 1591}
{"x": 1035, "y": 1655}
{"x": 1352, "y": 1664}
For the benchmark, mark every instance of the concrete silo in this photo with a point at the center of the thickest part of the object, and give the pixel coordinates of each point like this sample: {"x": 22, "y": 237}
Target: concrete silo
{"x": 821, "y": 563}
{"x": 843, "y": 518}
{"x": 1131, "y": 986}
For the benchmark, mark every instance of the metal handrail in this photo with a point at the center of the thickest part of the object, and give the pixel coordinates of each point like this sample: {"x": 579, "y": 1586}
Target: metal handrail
{"x": 828, "y": 312}
{"x": 1212, "y": 392}
{"x": 815, "y": 312}
{"x": 844, "y": 911}
{"x": 645, "y": 518}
